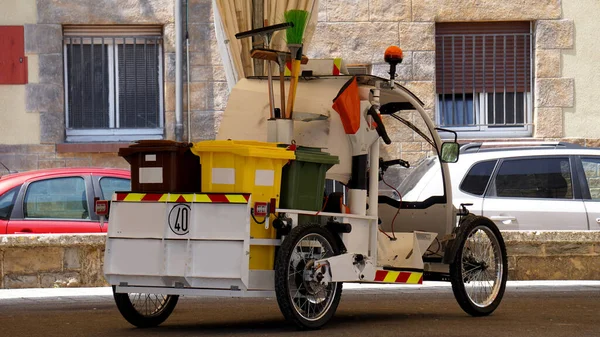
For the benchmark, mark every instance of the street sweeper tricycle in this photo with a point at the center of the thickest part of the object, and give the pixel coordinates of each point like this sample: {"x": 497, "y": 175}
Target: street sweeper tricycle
{"x": 248, "y": 214}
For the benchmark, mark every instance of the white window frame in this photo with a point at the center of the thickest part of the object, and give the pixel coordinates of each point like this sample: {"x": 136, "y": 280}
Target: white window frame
{"x": 481, "y": 129}
{"x": 114, "y": 133}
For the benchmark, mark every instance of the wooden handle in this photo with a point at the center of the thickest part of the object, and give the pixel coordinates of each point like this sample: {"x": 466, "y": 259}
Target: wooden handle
{"x": 293, "y": 86}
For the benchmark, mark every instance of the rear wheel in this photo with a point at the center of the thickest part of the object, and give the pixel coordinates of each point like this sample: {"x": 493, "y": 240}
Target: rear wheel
{"x": 479, "y": 271}
{"x": 145, "y": 310}
{"x": 302, "y": 295}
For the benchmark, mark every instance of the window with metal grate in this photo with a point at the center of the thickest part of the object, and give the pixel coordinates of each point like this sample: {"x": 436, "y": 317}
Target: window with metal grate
{"x": 113, "y": 81}
{"x": 484, "y": 77}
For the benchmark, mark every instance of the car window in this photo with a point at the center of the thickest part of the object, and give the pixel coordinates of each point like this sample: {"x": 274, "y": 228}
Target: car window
{"x": 477, "y": 179}
{"x": 109, "y": 185}
{"x": 535, "y": 178}
{"x": 423, "y": 181}
{"x": 7, "y": 201}
{"x": 591, "y": 167}
{"x": 58, "y": 198}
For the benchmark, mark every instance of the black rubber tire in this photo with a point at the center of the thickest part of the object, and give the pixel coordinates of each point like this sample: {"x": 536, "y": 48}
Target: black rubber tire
{"x": 457, "y": 278}
{"x": 142, "y": 320}
{"x": 282, "y": 286}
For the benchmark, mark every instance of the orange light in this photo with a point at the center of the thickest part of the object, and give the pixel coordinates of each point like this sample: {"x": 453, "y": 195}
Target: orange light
{"x": 393, "y": 54}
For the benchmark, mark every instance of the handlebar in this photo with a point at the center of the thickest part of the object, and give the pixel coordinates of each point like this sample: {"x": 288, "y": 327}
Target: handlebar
{"x": 380, "y": 127}
{"x": 388, "y": 163}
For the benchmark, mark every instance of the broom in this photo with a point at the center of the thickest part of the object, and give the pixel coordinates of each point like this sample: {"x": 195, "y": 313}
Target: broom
{"x": 294, "y": 41}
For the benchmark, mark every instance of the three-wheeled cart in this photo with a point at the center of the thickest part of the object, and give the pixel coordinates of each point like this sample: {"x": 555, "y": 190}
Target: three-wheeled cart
{"x": 261, "y": 224}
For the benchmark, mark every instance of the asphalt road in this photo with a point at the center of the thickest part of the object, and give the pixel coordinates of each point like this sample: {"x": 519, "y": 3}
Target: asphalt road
{"x": 525, "y": 311}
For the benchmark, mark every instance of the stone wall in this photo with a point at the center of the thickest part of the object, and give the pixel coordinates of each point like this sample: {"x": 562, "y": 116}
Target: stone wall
{"x": 54, "y": 260}
{"x": 44, "y": 95}
{"x": 76, "y": 260}
{"x": 375, "y": 24}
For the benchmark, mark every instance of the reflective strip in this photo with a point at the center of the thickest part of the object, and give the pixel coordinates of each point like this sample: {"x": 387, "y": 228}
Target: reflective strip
{"x": 184, "y": 198}
{"x": 264, "y": 178}
{"x": 237, "y": 198}
{"x": 408, "y": 277}
{"x": 391, "y": 277}
{"x": 224, "y": 176}
{"x": 415, "y": 278}
{"x": 202, "y": 198}
{"x": 134, "y": 197}
{"x": 337, "y": 65}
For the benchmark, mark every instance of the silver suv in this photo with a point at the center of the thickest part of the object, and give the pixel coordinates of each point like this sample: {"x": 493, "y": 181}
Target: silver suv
{"x": 520, "y": 186}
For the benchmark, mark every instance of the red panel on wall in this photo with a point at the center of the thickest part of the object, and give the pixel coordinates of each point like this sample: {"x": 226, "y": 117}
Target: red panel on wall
{"x": 13, "y": 63}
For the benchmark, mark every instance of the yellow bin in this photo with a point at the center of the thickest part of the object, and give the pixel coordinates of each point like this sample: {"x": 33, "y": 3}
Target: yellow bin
{"x": 231, "y": 166}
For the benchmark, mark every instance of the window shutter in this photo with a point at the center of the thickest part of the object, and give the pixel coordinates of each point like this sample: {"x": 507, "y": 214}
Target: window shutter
{"x": 483, "y": 57}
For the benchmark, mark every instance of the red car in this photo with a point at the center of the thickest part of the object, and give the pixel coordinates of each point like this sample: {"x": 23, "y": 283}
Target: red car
{"x": 57, "y": 200}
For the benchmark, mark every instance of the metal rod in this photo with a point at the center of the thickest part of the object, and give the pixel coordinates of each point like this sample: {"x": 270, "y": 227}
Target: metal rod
{"x": 443, "y": 98}
{"x": 494, "y": 72}
{"x": 125, "y": 96}
{"x": 474, "y": 86}
{"x": 104, "y": 114}
{"x": 146, "y": 82}
{"x": 93, "y": 73}
{"x": 453, "y": 88}
{"x": 485, "y": 115}
{"x": 463, "y": 82}
{"x": 515, "y": 76}
{"x": 81, "y": 78}
{"x": 116, "y": 121}
{"x": 135, "y": 85}
{"x": 504, "y": 81}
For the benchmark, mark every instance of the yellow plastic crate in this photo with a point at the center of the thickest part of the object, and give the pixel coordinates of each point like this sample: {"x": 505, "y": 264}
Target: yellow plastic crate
{"x": 229, "y": 166}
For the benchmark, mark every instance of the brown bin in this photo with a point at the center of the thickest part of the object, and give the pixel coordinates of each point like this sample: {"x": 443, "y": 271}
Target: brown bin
{"x": 162, "y": 166}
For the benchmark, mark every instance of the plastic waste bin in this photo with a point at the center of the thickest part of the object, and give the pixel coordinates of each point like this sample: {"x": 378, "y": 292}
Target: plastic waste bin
{"x": 303, "y": 181}
{"x": 162, "y": 166}
{"x": 230, "y": 166}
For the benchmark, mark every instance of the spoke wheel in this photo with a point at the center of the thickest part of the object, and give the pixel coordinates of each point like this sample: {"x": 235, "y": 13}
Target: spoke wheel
{"x": 302, "y": 298}
{"x": 479, "y": 270}
{"x": 145, "y": 310}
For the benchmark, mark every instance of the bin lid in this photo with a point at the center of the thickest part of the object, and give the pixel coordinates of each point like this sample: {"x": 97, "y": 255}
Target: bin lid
{"x": 243, "y": 148}
{"x": 145, "y": 146}
{"x": 315, "y": 155}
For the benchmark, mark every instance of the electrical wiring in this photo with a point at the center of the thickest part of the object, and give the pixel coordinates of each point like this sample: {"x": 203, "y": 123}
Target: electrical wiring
{"x": 439, "y": 246}
{"x": 253, "y": 218}
{"x": 393, "y": 237}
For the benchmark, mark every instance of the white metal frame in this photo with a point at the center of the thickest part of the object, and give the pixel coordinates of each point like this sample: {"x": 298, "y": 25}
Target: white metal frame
{"x": 114, "y": 132}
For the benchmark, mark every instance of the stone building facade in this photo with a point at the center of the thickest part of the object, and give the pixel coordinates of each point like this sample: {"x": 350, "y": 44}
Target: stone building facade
{"x": 32, "y": 116}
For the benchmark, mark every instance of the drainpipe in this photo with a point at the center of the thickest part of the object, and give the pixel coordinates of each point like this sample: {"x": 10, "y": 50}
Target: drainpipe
{"x": 178, "y": 73}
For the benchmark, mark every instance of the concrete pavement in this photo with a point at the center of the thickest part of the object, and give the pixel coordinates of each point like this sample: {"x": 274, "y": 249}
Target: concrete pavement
{"x": 429, "y": 286}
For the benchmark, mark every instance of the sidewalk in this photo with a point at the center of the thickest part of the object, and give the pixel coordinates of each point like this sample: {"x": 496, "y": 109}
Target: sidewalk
{"x": 428, "y": 286}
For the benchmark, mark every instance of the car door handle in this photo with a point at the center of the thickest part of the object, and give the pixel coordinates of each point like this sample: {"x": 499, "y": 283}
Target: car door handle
{"x": 503, "y": 218}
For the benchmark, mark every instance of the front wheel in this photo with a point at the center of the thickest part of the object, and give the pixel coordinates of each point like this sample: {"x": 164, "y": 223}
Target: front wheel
{"x": 302, "y": 296}
{"x": 479, "y": 270}
{"x": 145, "y": 310}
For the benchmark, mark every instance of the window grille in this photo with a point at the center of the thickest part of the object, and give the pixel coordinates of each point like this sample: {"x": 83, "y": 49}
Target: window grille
{"x": 113, "y": 85}
{"x": 484, "y": 76}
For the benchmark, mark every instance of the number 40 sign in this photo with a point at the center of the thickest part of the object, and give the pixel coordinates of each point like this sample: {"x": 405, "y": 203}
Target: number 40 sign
{"x": 179, "y": 219}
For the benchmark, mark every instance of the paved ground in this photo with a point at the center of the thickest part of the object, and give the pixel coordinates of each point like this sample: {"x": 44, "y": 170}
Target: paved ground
{"x": 533, "y": 309}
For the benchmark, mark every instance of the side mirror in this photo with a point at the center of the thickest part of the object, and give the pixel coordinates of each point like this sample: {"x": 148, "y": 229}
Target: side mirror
{"x": 450, "y": 152}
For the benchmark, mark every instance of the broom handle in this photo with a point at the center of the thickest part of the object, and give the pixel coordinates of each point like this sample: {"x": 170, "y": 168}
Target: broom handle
{"x": 293, "y": 86}
{"x": 282, "y": 87}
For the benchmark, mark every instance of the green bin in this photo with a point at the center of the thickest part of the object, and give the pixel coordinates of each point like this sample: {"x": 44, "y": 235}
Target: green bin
{"x": 303, "y": 181}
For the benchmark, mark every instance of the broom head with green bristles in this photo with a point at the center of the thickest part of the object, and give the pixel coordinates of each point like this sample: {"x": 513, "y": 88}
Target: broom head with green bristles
{"x": 299, "y": 18}
{"x": 294, "y": 36}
